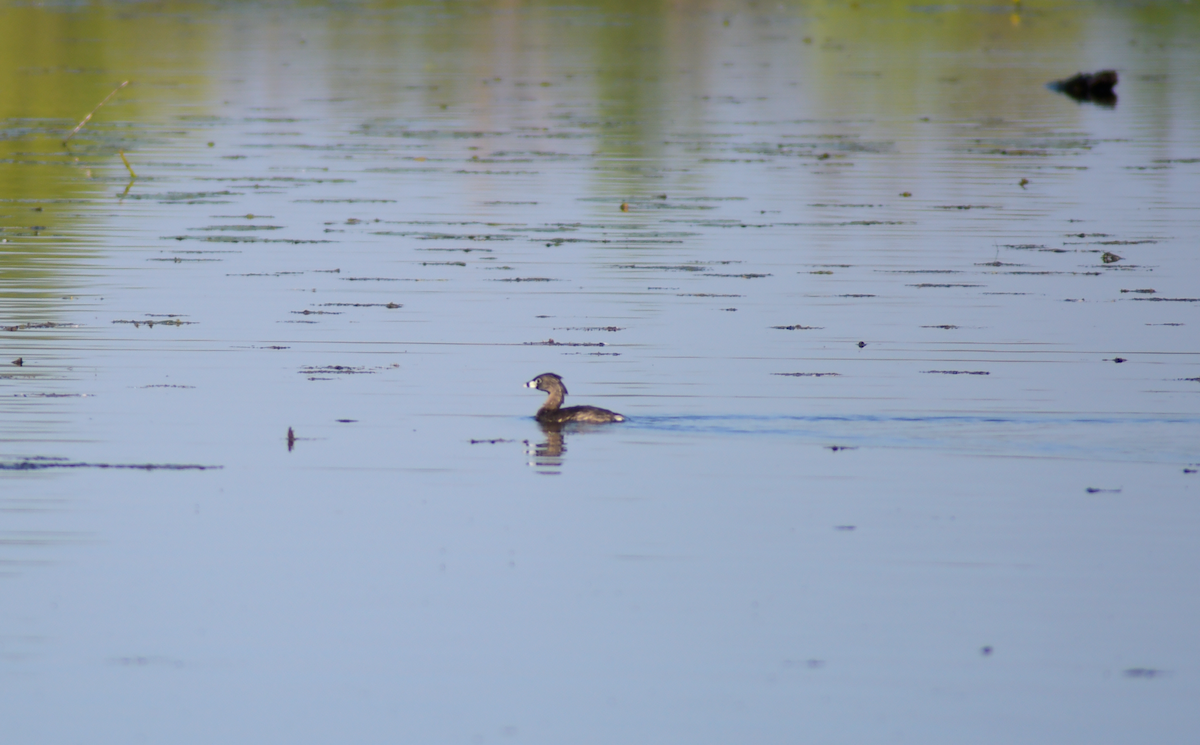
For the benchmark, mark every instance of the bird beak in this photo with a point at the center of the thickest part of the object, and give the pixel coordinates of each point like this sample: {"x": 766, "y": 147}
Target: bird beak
{"x": 531, "y": 384}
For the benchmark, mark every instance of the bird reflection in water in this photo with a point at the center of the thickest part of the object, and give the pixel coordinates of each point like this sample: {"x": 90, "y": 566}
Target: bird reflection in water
{"x": 547, "y": 456}
{"x": 552, "y": 418}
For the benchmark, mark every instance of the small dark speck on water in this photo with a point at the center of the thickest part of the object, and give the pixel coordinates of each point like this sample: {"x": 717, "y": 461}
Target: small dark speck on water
{"x": 985, "y": 651}
{"x": 836, "y": 448}
{"x": 346, "y": 421}
{"x": 1097, "y": 490}
{"x": 862, "y": 344}
{"x": 1143, "y": 672}
{"x": 19, "y": 361}
{"x": 1118, "y": 360}
{"x": 1189, "y": 470}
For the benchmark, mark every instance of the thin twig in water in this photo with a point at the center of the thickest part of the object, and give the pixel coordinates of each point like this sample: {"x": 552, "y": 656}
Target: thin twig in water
{"x": 93, "y": 111}
{"x": 126, "y": 162}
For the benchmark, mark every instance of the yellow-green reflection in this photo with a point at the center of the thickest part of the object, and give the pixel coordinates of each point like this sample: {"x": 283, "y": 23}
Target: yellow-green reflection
{"x": 621, "y": 74}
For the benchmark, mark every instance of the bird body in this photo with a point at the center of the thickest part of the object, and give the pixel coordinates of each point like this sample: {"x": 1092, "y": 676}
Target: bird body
{"x": 552, "y": 412}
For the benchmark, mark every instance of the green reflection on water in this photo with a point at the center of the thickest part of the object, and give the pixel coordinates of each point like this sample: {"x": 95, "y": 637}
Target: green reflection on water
{"x": 623, "y": 75}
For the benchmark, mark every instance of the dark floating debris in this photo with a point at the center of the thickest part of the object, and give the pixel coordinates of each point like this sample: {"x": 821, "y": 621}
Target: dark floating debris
{"x": 360, "y": 305}
{"x": 920, "y": 271}
{"x": 335, "y": 370}
{"x": 552, "y": 343}
{"x": 152, "y": 324}
{"x": 1093, "y": 87}
{"x": 942, "y": 326}
{"x": 809, "y": 375}
{"x": 797, "y": 327}
{"x": 1170, "y": 300}
{"x": 1143, "y": 672}
{"x": 526, "y": 279}
{"x": 665, "y": 267}
{"x": 932, "y": 284}
{"x": 985, "y": 651}
{"x": 1118, "y": 360}
{"x": 1108, "y": 257}
{"x": 291, "y": 439}
{"x": 19, "y": 361}
{"x": 490, "y": 442}
{"x": 265, "y": 274}
{"x": 38, "y": 464}
{"x": 239, "y": 228}
{"x": 179, "y": 260}
{"x": 956, "y": 372}
{"x": 1097, "y": 490}
{"x": 1146, "y": 291}
{"x": 856, "y": 295}
{"x": 837, "y": 448}
{"x": 46, "y": 325}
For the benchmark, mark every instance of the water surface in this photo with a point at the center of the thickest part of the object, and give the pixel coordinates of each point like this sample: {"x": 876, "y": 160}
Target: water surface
{"x": 907, "y": 343}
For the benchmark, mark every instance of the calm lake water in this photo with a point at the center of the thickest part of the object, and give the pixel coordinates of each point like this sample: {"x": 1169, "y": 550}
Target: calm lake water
{"x": 908, "y": 343}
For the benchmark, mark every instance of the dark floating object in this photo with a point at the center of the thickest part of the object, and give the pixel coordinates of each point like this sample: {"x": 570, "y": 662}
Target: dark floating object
{"x": 1118, "y": 360}
{"x": 1143, "y": 672}
{"x": 956, "y": 372}
{"x": 19, "y": 361}
{"x": 291, "y": 439}
{"x": 552, "y": 343}
{"x": 38, "y": 464}
{"x": 550, "y": 413}
{"x": 862, "y": 344}
{"x": 1094, "y": 87}
{"x": 985, "y": 651}
{"x": 1108, "y": 257}
{"x": 836, "y": 448}
{"x": 1098, "y": 490}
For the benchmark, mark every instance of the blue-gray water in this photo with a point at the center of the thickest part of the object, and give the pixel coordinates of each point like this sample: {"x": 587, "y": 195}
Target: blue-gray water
{"x": 906, "y": 340}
